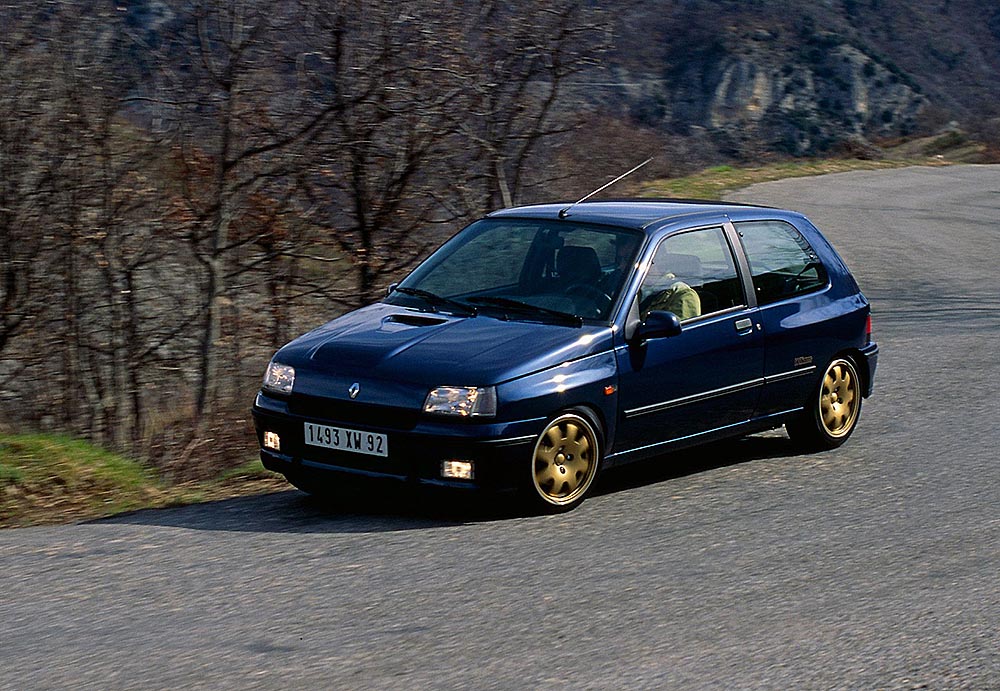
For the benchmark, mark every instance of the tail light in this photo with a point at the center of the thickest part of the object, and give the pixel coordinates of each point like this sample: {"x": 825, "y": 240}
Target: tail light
{"x": 868, "y": 330}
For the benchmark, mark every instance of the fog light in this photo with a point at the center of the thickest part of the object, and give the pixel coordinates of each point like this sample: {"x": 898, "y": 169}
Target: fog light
{"x": 272, "y": 441}
{"x": 457, "y": 470}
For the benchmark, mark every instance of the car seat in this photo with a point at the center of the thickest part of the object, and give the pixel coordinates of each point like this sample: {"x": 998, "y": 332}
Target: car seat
{"x": 578, "y": 265}
{"x": 684, "y": 267}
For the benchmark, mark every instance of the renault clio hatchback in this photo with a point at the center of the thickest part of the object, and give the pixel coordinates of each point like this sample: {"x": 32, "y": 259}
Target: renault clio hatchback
{"x": 542, "y": 344}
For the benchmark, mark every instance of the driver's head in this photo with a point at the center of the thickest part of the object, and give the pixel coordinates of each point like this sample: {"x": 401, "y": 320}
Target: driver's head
{"x": 624, "y": 249}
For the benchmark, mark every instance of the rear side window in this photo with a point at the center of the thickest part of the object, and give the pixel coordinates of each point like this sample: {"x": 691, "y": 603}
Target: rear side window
{"x": 781, "y": 261}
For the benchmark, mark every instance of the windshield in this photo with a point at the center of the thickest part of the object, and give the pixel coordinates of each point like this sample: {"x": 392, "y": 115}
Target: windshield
{"x": 526, "y": 269}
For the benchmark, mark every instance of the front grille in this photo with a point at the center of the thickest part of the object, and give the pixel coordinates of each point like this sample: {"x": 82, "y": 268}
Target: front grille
{"x": 351, "y": 412}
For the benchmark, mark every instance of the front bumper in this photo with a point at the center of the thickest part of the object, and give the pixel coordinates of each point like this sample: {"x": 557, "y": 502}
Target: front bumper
{"x": 499, "y": 451}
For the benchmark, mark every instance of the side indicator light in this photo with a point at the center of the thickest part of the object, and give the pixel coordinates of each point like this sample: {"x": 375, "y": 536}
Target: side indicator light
{"x": 609, "y": 389}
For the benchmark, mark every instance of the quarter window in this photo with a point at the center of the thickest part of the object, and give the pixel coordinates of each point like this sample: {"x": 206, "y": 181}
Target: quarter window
{"x": 692, "y": 274}
{"x": 782, "y": 263}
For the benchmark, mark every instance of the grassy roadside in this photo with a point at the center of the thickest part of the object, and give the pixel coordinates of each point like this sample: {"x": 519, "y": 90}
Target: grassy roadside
{"x": 57, "y": 479}
{"x": 714, "y": 183}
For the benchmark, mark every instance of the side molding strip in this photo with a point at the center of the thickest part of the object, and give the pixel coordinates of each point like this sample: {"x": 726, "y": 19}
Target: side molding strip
{"x": 715, "y": 393}
{"x": 801, "y": 372}
{"x": 693, "y": 398}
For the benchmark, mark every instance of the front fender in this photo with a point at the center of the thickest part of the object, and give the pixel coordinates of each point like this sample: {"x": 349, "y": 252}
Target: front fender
{"x": 591, "y": 382}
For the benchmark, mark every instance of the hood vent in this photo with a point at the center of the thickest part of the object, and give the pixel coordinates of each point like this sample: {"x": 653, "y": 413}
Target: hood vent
{"x": 413, "y": 320}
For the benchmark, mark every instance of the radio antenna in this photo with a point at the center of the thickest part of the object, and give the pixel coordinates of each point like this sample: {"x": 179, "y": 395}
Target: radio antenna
{"x": 563, "y": 213}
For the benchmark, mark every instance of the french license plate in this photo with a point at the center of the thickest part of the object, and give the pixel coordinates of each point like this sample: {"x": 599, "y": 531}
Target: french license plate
{"x": 343, "y": 439}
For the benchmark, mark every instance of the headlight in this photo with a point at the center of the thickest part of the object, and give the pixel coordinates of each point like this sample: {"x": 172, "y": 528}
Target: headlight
{"x": 279, "y": 377}
{"x": 464, "y": 401}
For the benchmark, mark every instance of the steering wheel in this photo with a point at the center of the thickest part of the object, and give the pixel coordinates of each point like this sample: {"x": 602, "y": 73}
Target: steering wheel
{"x": 595, "y": 301}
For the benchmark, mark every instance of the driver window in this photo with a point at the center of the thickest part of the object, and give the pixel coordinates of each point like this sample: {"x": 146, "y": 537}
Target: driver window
{"x": 692, "y": 274}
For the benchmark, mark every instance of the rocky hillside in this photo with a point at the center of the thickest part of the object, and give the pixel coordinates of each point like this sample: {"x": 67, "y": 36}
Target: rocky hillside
{"x": 748, "y": 78}
{"x": 807, "y": 77}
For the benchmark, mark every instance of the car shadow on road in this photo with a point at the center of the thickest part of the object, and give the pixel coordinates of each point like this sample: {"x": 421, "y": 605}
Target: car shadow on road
{"x": 375, "y": 509}
{"x": 695, "y": 460}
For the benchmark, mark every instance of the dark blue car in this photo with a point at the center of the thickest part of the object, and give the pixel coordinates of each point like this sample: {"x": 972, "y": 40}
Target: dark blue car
{"x": 542, "y": 344}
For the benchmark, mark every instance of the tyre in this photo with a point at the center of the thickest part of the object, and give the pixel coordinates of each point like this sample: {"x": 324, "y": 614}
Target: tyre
{"x": 832, "y": 411}
{"x": 565, "y": 462}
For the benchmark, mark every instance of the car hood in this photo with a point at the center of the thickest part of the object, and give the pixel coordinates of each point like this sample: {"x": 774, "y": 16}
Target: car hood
{"x": 408, "y": 348}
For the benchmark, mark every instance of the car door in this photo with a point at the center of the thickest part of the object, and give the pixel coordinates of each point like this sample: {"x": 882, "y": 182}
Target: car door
{"x": 792, "y": 290}
{"x": 709, "y": 375}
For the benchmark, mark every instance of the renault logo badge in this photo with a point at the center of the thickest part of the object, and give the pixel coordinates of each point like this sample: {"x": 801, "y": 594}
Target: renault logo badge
{"x": 354, "y": 390}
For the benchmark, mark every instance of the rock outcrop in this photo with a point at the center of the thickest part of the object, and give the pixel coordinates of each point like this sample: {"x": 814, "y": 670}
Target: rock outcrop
{"x": 797, "y": 101}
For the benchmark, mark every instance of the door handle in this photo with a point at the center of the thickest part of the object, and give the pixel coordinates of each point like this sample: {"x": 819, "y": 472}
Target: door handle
{"x": 744, "y": 324}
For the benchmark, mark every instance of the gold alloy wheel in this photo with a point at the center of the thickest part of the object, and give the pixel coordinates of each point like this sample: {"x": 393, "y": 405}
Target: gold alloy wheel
{"x": 565, "y": 460}
{"x": 840, "y": 398}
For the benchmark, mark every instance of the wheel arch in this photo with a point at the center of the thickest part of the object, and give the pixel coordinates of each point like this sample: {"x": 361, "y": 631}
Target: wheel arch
{"x": 860, "y": 364}
{"x": 595, "y": 414}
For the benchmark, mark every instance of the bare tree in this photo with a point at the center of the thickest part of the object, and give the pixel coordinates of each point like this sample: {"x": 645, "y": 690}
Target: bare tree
{"x": 176, "y": 198}
{"x": 519, "y": 57}
{"x": 25, "y": 172}
{"x": 241, "y": 145}
{"x": 389, "y": 72}
{"x": 98, "y": 206}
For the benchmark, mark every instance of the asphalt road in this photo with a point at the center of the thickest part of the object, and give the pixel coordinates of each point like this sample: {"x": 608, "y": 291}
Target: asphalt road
{"x": 741, "y": 565}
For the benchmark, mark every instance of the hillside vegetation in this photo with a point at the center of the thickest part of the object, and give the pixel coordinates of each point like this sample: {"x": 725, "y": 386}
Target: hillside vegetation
{"x": 714, "y": 182}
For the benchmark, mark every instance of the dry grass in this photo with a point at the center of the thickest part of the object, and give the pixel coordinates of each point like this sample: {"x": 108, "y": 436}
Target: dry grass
{"x": 58, "y": 479}
{"x": 714, "y": 183}
{"x": 938, "y": 150}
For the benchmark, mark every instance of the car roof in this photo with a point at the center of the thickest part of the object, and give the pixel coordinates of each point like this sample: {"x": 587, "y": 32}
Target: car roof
{"x": 640, "y": 213}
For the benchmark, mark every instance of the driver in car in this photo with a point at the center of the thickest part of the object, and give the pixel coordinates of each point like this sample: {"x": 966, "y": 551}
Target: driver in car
{"x": 624, "y": 251}
{"x": 678, "y": 297}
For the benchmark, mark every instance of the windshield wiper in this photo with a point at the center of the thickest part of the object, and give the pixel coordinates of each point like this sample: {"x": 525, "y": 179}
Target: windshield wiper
{"x": 438, "y": 301}
{"x": 574, "y": 319}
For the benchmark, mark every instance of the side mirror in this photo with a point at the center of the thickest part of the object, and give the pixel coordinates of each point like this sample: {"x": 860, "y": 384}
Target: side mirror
{"x": 658, "y": 325}
{"x": 392, "y": 287}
